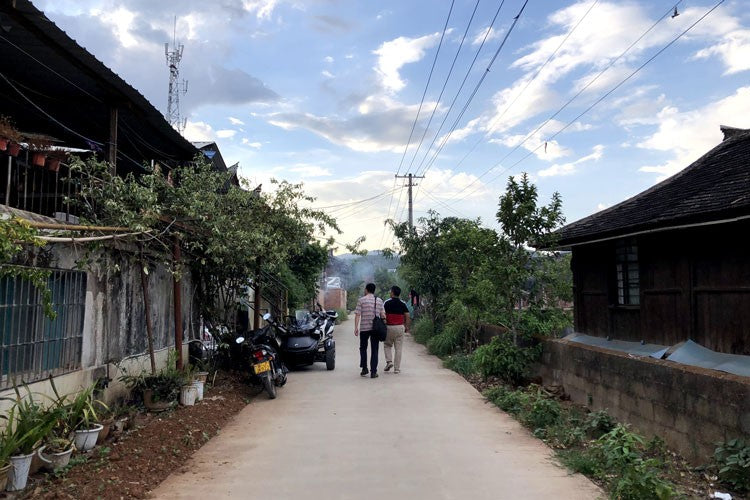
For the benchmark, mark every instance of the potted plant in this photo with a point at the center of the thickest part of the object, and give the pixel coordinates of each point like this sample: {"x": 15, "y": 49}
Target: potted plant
{"x": 55, "y": 453}
{"x": 159, "y": 390}
{"x": 38, "y": 147}
{"x": 54, "y": 157}
{"x": 9, "y": 136}
{"x": 188, "y": 389}
{"x": 28, "y": 423}
{"x": 83, "y": 418}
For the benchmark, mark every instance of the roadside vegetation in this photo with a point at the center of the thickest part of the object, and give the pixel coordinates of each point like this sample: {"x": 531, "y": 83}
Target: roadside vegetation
{"x": 470, "y": 276}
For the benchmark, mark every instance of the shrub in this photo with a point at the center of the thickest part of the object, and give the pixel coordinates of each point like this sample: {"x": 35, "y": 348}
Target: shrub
{"x": 423, "y": 330}
{"x": 544, "y": 412}
{"x": 581, "y": 461}
{"x": 733, "y": 459}
{"x": 343, "y": 316}
{"x": 462, "y": 364}
{"x": 599, "y": 422}
{"x": 447, "y": 341}
{"x": 502, "y": 358}
{"x": 641, "y": 480}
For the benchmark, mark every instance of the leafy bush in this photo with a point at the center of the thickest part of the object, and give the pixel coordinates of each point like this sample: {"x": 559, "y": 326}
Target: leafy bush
{"x": 502, "y": 358}
{"x": 641, "y": 480}
{"x": 460, "y": 363}
{"x": 423, "y": 330}
{"x": 580, "y": 461}
{"x": 447, "y": 341}
{"x": 733, "y": 459}
{"x": 343, "y": 316}
{"x": 543, "y": 413}
{"x": 599, "y": 422}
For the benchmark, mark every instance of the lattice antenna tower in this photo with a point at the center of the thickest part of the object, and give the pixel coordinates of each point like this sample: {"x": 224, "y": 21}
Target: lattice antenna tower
{"x": 176, "y": 86}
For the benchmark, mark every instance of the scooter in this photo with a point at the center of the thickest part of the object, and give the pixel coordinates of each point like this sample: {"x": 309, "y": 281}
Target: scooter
{"x": 308, "y": 339}
{"x": 264, "y": 360}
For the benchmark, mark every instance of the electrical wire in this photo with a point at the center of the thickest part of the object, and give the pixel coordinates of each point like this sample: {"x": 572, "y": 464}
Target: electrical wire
{"x": 419, "y": 110}
{"x": 476, "y": 89}
{"x": 532, "y": 80}
{"x": 445, "y": 84}
{"x": 604, "y": 96}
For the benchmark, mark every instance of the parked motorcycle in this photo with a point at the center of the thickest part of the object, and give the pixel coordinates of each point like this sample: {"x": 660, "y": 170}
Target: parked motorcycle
{"x": 262, "y": 353}
{"x": 308, "y": 339}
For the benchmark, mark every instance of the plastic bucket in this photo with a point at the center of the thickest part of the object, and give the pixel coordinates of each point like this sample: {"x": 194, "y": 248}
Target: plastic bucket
{"x": 198, "y": 384}
{"x": 19, "y": 472}
{"x": 188, "y": 394}
{"x": 54, "y": 461}
{"x": 85, "y": 440}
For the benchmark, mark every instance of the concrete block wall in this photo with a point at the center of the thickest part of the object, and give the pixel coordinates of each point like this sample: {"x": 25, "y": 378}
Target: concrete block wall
{"x": 690, "y": 408}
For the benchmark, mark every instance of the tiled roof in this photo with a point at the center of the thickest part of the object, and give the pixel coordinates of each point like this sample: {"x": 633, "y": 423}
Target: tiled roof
{"x": 713, "y": 188}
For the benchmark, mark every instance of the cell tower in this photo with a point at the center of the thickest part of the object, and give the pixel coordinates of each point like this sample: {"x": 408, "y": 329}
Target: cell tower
{"x": 176, "y": 87}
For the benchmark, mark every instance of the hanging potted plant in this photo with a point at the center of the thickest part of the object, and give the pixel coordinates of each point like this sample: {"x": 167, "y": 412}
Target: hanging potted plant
{"x": 54, "y": 158}
{"x": 38, "y": 147}
{"x": 9, "y": 136}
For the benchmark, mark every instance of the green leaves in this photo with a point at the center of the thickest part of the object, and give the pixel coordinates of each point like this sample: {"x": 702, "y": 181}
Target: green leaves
{"x": 733, "y": 460}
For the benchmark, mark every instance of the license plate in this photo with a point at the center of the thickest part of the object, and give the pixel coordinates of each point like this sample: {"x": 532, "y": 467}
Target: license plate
{"x": 262, "y": 367}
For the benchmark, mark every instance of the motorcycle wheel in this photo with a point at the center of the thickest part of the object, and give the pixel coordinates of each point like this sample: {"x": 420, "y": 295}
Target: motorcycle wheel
{"x": 330, "y": 359}
{"x": 269, "y": 386}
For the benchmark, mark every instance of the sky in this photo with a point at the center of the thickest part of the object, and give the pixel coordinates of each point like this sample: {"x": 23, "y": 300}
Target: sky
{"x": 596, "y": 100}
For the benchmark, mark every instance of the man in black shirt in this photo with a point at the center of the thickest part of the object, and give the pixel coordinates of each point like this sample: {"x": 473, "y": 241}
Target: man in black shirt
{"x": 398, "y": 322}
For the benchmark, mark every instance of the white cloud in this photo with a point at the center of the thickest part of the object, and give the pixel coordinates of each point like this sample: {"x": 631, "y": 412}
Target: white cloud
{"x": 572, "y": 167}
{"x": 327, "y": 74}
{"x": 254, "y": 145}
{"x": 226, "y": 133}
{"x": 199, "y": 131}
{"x": 538, "y": 142}
{"x": 689, "y": 134}
{"x": 311, "y": 171}
{"x": 235, "y": 121}
{"x": 494, "y": 34}
{"x": 734, "y": 51}
{"x": 394, "y": 54}
{"x": 263, "y": 9}
{"x": 328, "y": 59}
{"x": 601, "y": 206}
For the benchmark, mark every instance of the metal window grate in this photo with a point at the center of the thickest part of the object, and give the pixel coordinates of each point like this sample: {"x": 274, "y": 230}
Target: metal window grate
{"x": 628, "y": 276}
{"x": 33, "y": 346}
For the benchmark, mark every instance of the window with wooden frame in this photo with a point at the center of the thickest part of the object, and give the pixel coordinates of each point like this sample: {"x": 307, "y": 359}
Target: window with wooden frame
{"x": 628, "y": 279}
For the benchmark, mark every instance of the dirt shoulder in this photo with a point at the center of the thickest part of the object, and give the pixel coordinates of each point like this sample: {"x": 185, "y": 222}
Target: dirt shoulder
{"x": 130, "y": 465}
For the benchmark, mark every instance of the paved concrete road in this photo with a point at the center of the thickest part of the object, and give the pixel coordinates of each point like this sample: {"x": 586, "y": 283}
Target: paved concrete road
{"x": 423, "y": 434}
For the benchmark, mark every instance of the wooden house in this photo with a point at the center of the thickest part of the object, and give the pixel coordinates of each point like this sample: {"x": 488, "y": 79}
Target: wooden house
{"x": 673, "y": 262}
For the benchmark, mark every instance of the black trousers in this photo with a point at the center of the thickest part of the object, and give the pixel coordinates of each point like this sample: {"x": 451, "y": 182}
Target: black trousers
{"x": 364, "y": 337}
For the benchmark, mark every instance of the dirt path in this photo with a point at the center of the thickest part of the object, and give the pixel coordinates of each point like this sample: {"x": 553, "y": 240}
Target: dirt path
{"x": 423, "y": 434}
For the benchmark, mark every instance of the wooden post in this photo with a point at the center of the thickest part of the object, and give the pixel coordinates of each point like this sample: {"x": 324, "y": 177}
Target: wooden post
{"x": 176, "y": 256}
{"x": 147, "y": 310}
{"x": 257, "y": 298}
{"x": 112, "y": 150}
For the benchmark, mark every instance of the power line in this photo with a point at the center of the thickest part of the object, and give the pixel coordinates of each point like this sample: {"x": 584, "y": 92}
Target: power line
{"x": 463, "y": 82}
{"x": 445, "y": 84}
{"x": 476, "y": 89}
{"x": 523, "y": 90}
{"x": 419, "y": 110}
{"x": 566, "y": 104}
{"x": 607, "y": 94}
{"x": 354, "y": 202}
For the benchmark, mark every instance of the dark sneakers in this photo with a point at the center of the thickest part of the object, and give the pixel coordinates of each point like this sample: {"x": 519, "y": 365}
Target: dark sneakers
{"x": 388, "y": 366}
{"x": 374, "y": 375}
{"x": 364, "y": 372}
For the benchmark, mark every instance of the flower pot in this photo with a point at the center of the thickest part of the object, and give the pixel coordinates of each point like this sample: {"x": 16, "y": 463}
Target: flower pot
{"x": 38, "y": 159}
{"x": 14, "y": 148}
{"x": 52, "y": 164}
{"x": 19, "y": 472}
{"x": 150, "y": 404}
{"x": 198, "y": 384}
{"x": 36, "y": 463}
{"x": 202, "y": 376}
{"x": 119, "y": 425}
{"x": 53, "y": 461}
{"x": 187, "y": 395}
{"x": 106, "y": 429}
{"x": 4, "y": 476}
{"x": 3, "y": 143}
{"x": 85, "y": 440}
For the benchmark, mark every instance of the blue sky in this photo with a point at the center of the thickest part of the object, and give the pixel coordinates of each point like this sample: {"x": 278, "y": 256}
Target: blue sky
{"x": 325, "y": 92}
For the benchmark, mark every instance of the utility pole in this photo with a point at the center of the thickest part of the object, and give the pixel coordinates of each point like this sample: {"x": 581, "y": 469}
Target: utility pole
{"x": 176, "y": 87}
{"x": 410, "y": 183}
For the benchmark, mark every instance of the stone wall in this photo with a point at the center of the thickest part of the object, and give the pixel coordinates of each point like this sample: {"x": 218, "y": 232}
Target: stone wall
{"x": 690, "y": 408}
